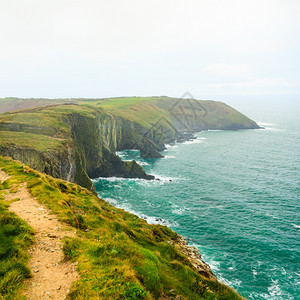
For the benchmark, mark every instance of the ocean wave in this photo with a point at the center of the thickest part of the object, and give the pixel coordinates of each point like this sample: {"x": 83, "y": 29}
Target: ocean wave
{"x": 125, "y": 153}
{"x": 199, "y": 136}
{"x": 296, "y": 226}
{"x": 159, "y": 180}
{"x": 274, "y": 289}
{"x": 149, "y": 219}
{"x": 142, "y": 163}
{"x": 165, "y": 179}
{"x": 157, "y": 220}
{"x": 178, "y": 210}
{"x": 120, "y": 153}
{"x": 151, "y": 204}
{"x": 265, "y": 124}
{"x": 169, "y": 146}
{"x": 112, "y": 201}
{"x": 194, "y": 141}
{"x": 169, "y": 156}
{"x": 111, "y": 179}
{"x": 114, "y": 179}
{"x": 273, "y": 129}
{"x": 197, "y": 140}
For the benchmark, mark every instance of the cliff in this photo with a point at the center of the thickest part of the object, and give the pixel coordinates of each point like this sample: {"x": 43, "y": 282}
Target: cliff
{"x": 77, "y": 141}
{"x": 74, "y": 144}
{"x": 111, "y": 254}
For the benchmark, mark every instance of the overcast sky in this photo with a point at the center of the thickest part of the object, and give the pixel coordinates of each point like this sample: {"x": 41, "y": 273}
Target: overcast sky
{"x": 96, "y": 48}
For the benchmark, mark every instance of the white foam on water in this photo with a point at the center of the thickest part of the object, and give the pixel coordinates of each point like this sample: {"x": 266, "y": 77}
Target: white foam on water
{"x": 142, "y": 163}
{"x": 169, "y": 156}
{"x": 194, "y": 141}
{"x": 120, "y": 153}
{"x": 150, "y": 219}
{"x": 111, "y": 179}
{"x": 115, "y": 179}
{"x": 273, "y": 129}
{"x": 274, "y": 289}
{"x": 265, "y": 124}
{"x": 165, "y": 179}
{"x": 199, "y": 136}
{"x": 160, "y": 221}
{"x": 160, "y": 180}
{"x": 151, "y": 204}
{"x": 296, "y": 226}
{"x": 112, "y": 201}
{"x": 169, "y": 146}
{"x": 178, "y": 211}
{"x": 237, "y": 282}
{"x": 221, "y": 278}
{"x": 269, "y": 126}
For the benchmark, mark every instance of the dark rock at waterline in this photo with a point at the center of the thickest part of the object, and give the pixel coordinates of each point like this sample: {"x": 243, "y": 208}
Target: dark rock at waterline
{"x": 194, "y": 256}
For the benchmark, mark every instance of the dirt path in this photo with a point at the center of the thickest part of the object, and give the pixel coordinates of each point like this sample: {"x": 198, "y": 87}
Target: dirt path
{"x": 52, "y": 277}
{"x": 3, "y": 176}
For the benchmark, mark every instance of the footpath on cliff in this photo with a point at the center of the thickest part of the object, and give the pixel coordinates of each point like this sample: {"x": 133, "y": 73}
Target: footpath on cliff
{"x": 52, "y": 276}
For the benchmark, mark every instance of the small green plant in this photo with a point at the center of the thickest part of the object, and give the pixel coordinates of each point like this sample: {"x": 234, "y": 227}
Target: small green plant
{"x": 71, "y": 248}
{"x": 134, "y": 292}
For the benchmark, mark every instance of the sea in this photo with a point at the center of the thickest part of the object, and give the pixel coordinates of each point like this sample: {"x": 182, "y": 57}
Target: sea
{"x": 235, "y": 195}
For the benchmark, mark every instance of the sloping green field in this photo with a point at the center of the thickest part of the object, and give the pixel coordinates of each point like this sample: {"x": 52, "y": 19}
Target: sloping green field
{"x": 119, "y": 255}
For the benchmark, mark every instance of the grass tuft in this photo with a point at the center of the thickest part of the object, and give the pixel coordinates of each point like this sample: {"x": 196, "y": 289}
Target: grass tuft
{"x": 15, "y": 238}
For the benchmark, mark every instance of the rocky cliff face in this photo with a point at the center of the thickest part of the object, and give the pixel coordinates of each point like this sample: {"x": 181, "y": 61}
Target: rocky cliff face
{"x": 88, "y": 151}
{"x": 88, "y": 136}
{"x": 183, "y": 118}
{"x": 97, "y": 138}
{"x": 64, "y": 163}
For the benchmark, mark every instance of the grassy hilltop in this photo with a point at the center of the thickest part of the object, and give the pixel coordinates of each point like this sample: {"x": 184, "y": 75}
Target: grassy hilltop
{"x": 146, "y": 110}
{"x": 119, "y": 255}
{"x": 76, "y": 139}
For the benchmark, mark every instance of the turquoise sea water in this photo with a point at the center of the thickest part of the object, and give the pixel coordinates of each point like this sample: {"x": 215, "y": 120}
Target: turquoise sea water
{"x": 233, "y": 194}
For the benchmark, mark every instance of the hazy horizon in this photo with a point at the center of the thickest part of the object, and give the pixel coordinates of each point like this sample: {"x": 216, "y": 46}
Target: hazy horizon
{"x": 213, "y": 49}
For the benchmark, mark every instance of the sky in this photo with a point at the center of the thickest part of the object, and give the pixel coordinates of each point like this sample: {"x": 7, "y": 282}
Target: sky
{"x": 96, "y": 48}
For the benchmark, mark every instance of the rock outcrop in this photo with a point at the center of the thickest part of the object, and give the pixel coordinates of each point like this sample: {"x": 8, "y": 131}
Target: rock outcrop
{"x": 194, "y": 256}
{"x": 76, "y": 142}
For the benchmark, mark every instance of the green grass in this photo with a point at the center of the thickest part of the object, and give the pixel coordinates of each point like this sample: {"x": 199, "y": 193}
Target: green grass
{"x": 45, "y": 116}
{"x": 15, "y": 238}
{"x": 29, "y": 140}
{"x": 40, "y": 128}
{"x": 120, "y": 256}
{"x": 145, "y": 111}
{"x": 136, "y": 109}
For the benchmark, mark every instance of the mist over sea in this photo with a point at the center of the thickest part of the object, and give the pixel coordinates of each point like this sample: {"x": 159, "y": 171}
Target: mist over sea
{"x": 233, "y": 194}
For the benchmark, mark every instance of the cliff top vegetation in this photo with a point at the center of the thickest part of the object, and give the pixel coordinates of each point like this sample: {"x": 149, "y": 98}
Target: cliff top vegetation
{"x": 119, "y": 255}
